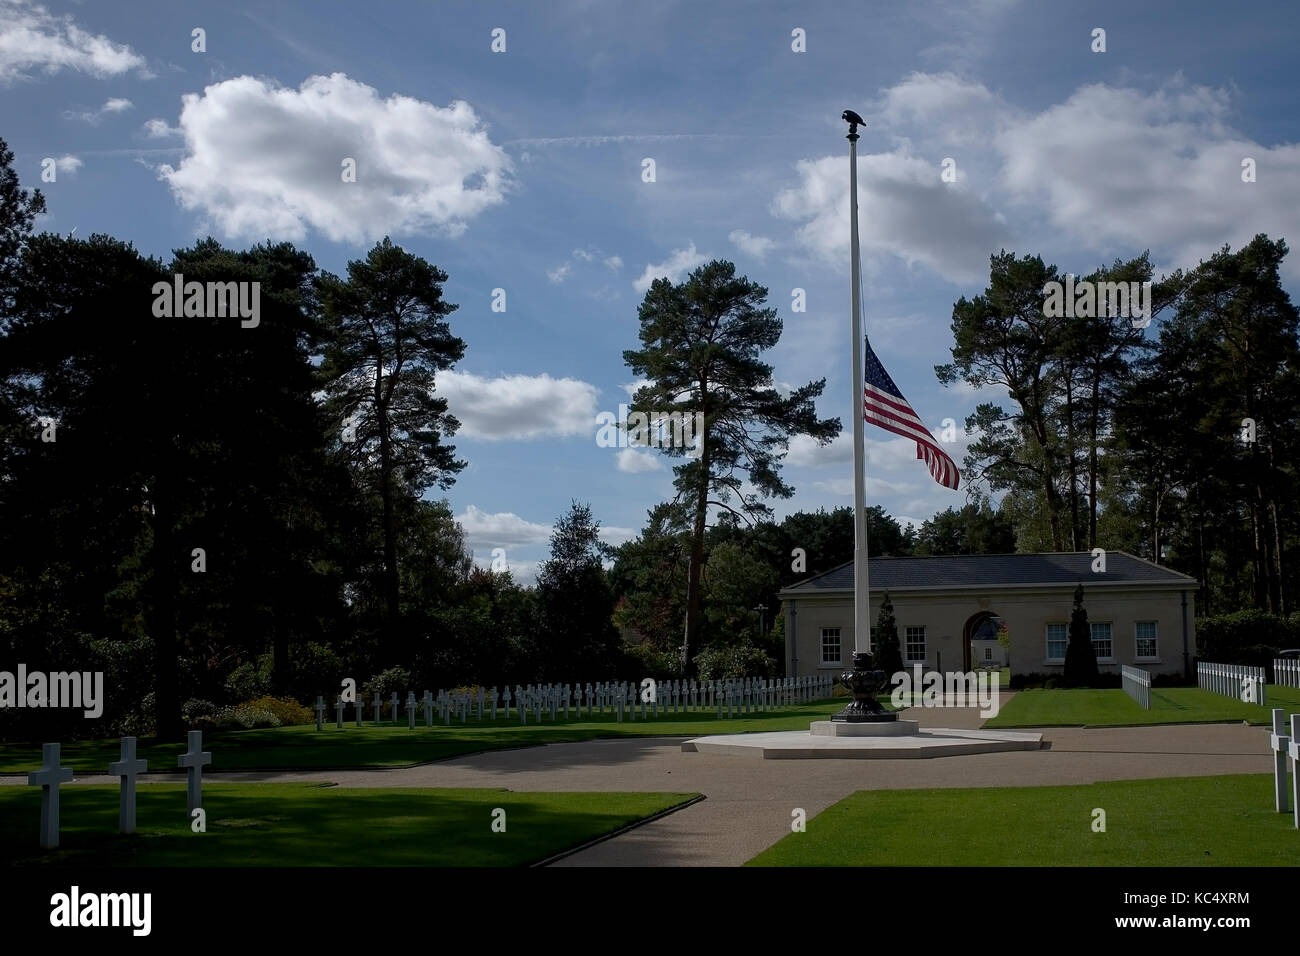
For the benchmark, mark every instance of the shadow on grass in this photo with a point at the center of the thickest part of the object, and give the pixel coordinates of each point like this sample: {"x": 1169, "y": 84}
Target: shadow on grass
{"x": 306, "y": 825}
{"x": 395, "y": 745}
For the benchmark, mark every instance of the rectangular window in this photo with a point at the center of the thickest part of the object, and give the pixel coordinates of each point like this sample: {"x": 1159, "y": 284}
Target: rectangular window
{"x": 873, "y": 640}
{"x": 1058, "y": 636}
{"x": 831, "y": 653}
{"x": 915, "y": 644}
{"x": 1101, "y": 642}
{"x": 988, "y": 653}
{"x": 1146, "y": 640}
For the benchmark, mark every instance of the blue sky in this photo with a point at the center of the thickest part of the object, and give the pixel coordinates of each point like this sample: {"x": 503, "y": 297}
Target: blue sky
{"x": 522, "y": 170}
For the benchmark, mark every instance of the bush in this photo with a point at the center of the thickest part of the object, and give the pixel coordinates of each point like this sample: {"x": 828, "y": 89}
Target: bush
{"x": 250, "y": 680}
{"x": 201, "y": 714}
{"x": 735, "y": 662}
{"x": 1104, "y": 681}
{"x": 255, "y": 713}
{"x": 395, "y": 680}
{"x": 197, "y": 713}
{"x": 646, "y": 660}
{"x": 1251, "y": 638}
{"x": 286, "y": 712}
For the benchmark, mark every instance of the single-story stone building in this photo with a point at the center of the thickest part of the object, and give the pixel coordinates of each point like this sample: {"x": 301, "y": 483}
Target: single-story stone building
{"x": 953, "y": 611}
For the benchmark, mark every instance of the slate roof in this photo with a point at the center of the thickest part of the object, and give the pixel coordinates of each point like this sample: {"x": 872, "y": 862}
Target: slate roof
{"x": 1059, "y": 569}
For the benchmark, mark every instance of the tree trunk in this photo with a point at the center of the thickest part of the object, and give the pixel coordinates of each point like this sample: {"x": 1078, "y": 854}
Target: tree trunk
{"x": 691, "y": 637}
{"x": 391, "y": 597}
{"x": 167, "y": 709}
{"x": 279, "y": 656}
{"x": 1094, "y": 427}
{"x": 1073, "y": 464}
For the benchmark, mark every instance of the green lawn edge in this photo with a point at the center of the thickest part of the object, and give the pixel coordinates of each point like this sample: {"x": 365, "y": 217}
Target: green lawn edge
{"x": 304, "y": 824}
{"x": 395, "y": 746}
{"x": 1225, "y": 820}
{"x": 1086, "y": 707}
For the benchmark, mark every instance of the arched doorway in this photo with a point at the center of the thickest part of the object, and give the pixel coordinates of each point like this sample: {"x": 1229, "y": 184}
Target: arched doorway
{"x": 980, "y": 644}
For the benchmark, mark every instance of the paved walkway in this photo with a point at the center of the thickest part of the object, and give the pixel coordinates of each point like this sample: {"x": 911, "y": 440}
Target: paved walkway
{"x": 749, "y": 802}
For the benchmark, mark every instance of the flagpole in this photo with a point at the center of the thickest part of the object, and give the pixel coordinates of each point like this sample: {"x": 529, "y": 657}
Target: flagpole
{"x": 861, "y": 585}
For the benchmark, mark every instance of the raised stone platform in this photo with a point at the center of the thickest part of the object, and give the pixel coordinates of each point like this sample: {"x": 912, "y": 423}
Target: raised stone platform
{"x": 932, "y": 742}
{"x": 844, "y": 728}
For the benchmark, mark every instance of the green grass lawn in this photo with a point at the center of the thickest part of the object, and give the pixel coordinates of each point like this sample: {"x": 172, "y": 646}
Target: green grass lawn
{"x": 295, "y": 824}
{"x": 1111, "y": 708}
{"x": 389, "y": 745}
{"x": 1186, "y": 821}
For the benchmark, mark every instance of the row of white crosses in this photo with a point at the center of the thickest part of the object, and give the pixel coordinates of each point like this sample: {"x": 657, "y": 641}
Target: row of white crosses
{"x": 618, "y": 699}
{"x": 1247, "y": 684}
{"x": 51, "y": 775}
{"x": 1284, "y": 747}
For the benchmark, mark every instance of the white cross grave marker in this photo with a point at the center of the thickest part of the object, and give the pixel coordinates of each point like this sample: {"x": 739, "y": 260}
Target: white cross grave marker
{"x": 410, "y": 710}
{"x": 377, "y": 707}
{"x": 339, "y": 706}
{"x": 1293, "y": 751}
{"x": 194, "y": 761}
{"x": 394, "y": 699}
{"x": 320, "y": 713}
{"x": 127, "y": 768}
{"x": 48, "y": 779}
{"x": 1279, "y": 741}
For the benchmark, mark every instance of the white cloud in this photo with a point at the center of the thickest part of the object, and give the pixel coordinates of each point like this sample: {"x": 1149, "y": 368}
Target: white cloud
{"x": 158, "y": 129}
{"x": 263, "y": 161}
{"x": 959, "y": 112}
{"x": 615, "y": 535}
{"x": 503, "y": 529}
{"x": 113, "y": 105}
{"x": 1118, "y": 166}
{"x": 631, "y": 387}
{"x": 905, "y": 211}
{"x": 633, "y": 462}
{"x": 565, "y": 269}
{"x": 519, "y": 406}
{"x": 31, "y": 38}
{"x": 68, "y": 164}
{"x": 523, "y": 573}
{"x": 756, "y": 246}
{"x": 678, "y": 263}
{"x": 1111, "y": 169}
{"x": 807, "y": 451}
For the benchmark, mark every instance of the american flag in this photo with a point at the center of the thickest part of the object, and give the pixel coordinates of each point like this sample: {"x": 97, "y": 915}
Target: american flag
{"x": 885, "y": 406}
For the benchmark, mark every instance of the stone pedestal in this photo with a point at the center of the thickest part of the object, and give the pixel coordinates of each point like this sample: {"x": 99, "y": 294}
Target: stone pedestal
{"x": 841, "y": 728}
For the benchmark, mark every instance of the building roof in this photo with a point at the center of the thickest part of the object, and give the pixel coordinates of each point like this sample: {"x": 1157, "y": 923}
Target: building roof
{"x": 979, "y": 571}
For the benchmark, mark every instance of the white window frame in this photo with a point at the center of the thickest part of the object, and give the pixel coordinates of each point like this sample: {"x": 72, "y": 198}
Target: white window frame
{"x": 1047, "y": 642}
{"x": 1153, "y": 658}
{"x": 839, "y": 641}
{"x": 1108, "y": 658}
{"x": 907, "y": 642}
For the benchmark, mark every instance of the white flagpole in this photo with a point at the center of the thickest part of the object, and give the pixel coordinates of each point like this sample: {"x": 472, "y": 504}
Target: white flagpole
{"x": 861, "y": 587}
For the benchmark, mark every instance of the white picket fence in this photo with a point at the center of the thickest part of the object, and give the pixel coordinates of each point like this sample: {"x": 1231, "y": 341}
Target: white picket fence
{"x": 646, "y": 700}
{"x": 1137, "y": 684}
{"x": 1286, "y": 672}
{"x": 1233, "y": 680}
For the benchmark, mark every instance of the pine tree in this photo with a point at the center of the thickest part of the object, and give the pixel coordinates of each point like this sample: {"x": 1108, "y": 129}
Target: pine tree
{"x": 888, "y": 656}
{"x": 701, "y": 342}
{"x": 1080, "y": 657}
